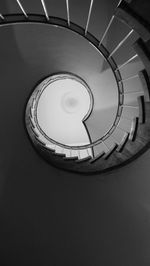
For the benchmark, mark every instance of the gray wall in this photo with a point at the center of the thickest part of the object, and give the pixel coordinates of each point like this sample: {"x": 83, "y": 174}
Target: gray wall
{"x": 49, "y": 217}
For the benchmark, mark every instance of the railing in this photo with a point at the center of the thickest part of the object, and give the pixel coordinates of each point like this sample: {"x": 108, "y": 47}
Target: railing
{"x": 116, "y": 69}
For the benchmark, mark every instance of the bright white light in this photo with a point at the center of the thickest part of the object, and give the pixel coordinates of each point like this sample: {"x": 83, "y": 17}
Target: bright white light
{"x": 61, "y": 109}
{"x": 70, "y": 103}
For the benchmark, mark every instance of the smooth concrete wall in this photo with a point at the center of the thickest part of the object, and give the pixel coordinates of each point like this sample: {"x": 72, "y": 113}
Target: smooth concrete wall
{"x": 50, "y": 217}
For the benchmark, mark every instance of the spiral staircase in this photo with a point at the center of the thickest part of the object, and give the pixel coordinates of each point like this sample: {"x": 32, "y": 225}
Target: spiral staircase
{"x": 125, "y": 64}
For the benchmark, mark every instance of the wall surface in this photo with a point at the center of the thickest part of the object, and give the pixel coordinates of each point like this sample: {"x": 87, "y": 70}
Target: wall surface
{"x": 49, "y": 217}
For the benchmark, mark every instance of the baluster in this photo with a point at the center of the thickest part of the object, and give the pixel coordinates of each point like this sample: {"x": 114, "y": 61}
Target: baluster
{"x": 89, "y": 15}
{"x": 68, "y": 12}
{"x": 45, "y": 9}
{"x": 127, "y": 62}
{"x": 21, "y": 7}
{"x": 121, "y": 43}
{"x": 1, "y": 16}
{"x": 132, "y": 77}
{"x": 109, "y": 24}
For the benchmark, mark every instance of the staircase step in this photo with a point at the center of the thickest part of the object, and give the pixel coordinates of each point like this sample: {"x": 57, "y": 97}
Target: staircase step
{"x": 74, "y": 153}
{"x": 144, "y": 132}
{"x": 134, "y": 127}
{"x": 142, "y": 114}
{"x": 83, "y": 154}
{"x": 32, "y": 102}
{"x": 32, "y": 131}
{"x": 108, "y": 154}
{"x": 40, "y": 142}
{"x": 30, "y": 112}
{"x": 84, "y": 159}
{"x": 116, "y": 159}
{"x": 145, "y": 84}
{"x": 59, "y": 155}
{"x": 59, "y": 150}
{"x": 31, "y": 122}
{"x": 93, "y": 160}
{"x": 50, "y": 147}
{"x": 133, "y": 148}
{"x": 126, "y": 14}
{"x": 123, "y": 142}
{"x": 142, "y": 51}
{"x": 75, "y": 158}
{"x": 147, "y": 112}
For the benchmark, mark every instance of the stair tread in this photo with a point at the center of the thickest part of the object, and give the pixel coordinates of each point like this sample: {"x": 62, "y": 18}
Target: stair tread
{"x": 126, "y": 14}
{"x": 59, "y": 154}
{"x": 109, "y": 153}
{"x": 141, "y": 103}
{"x": 97, "y": 157}
{"x": 134, "y": 128}
{"x": 84, "y": 159}
{"x": 141, "y": 49}
{"x": 123, "y": 142}
{"x": 71, "y": 158}
{"x": 143, "y": 75}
